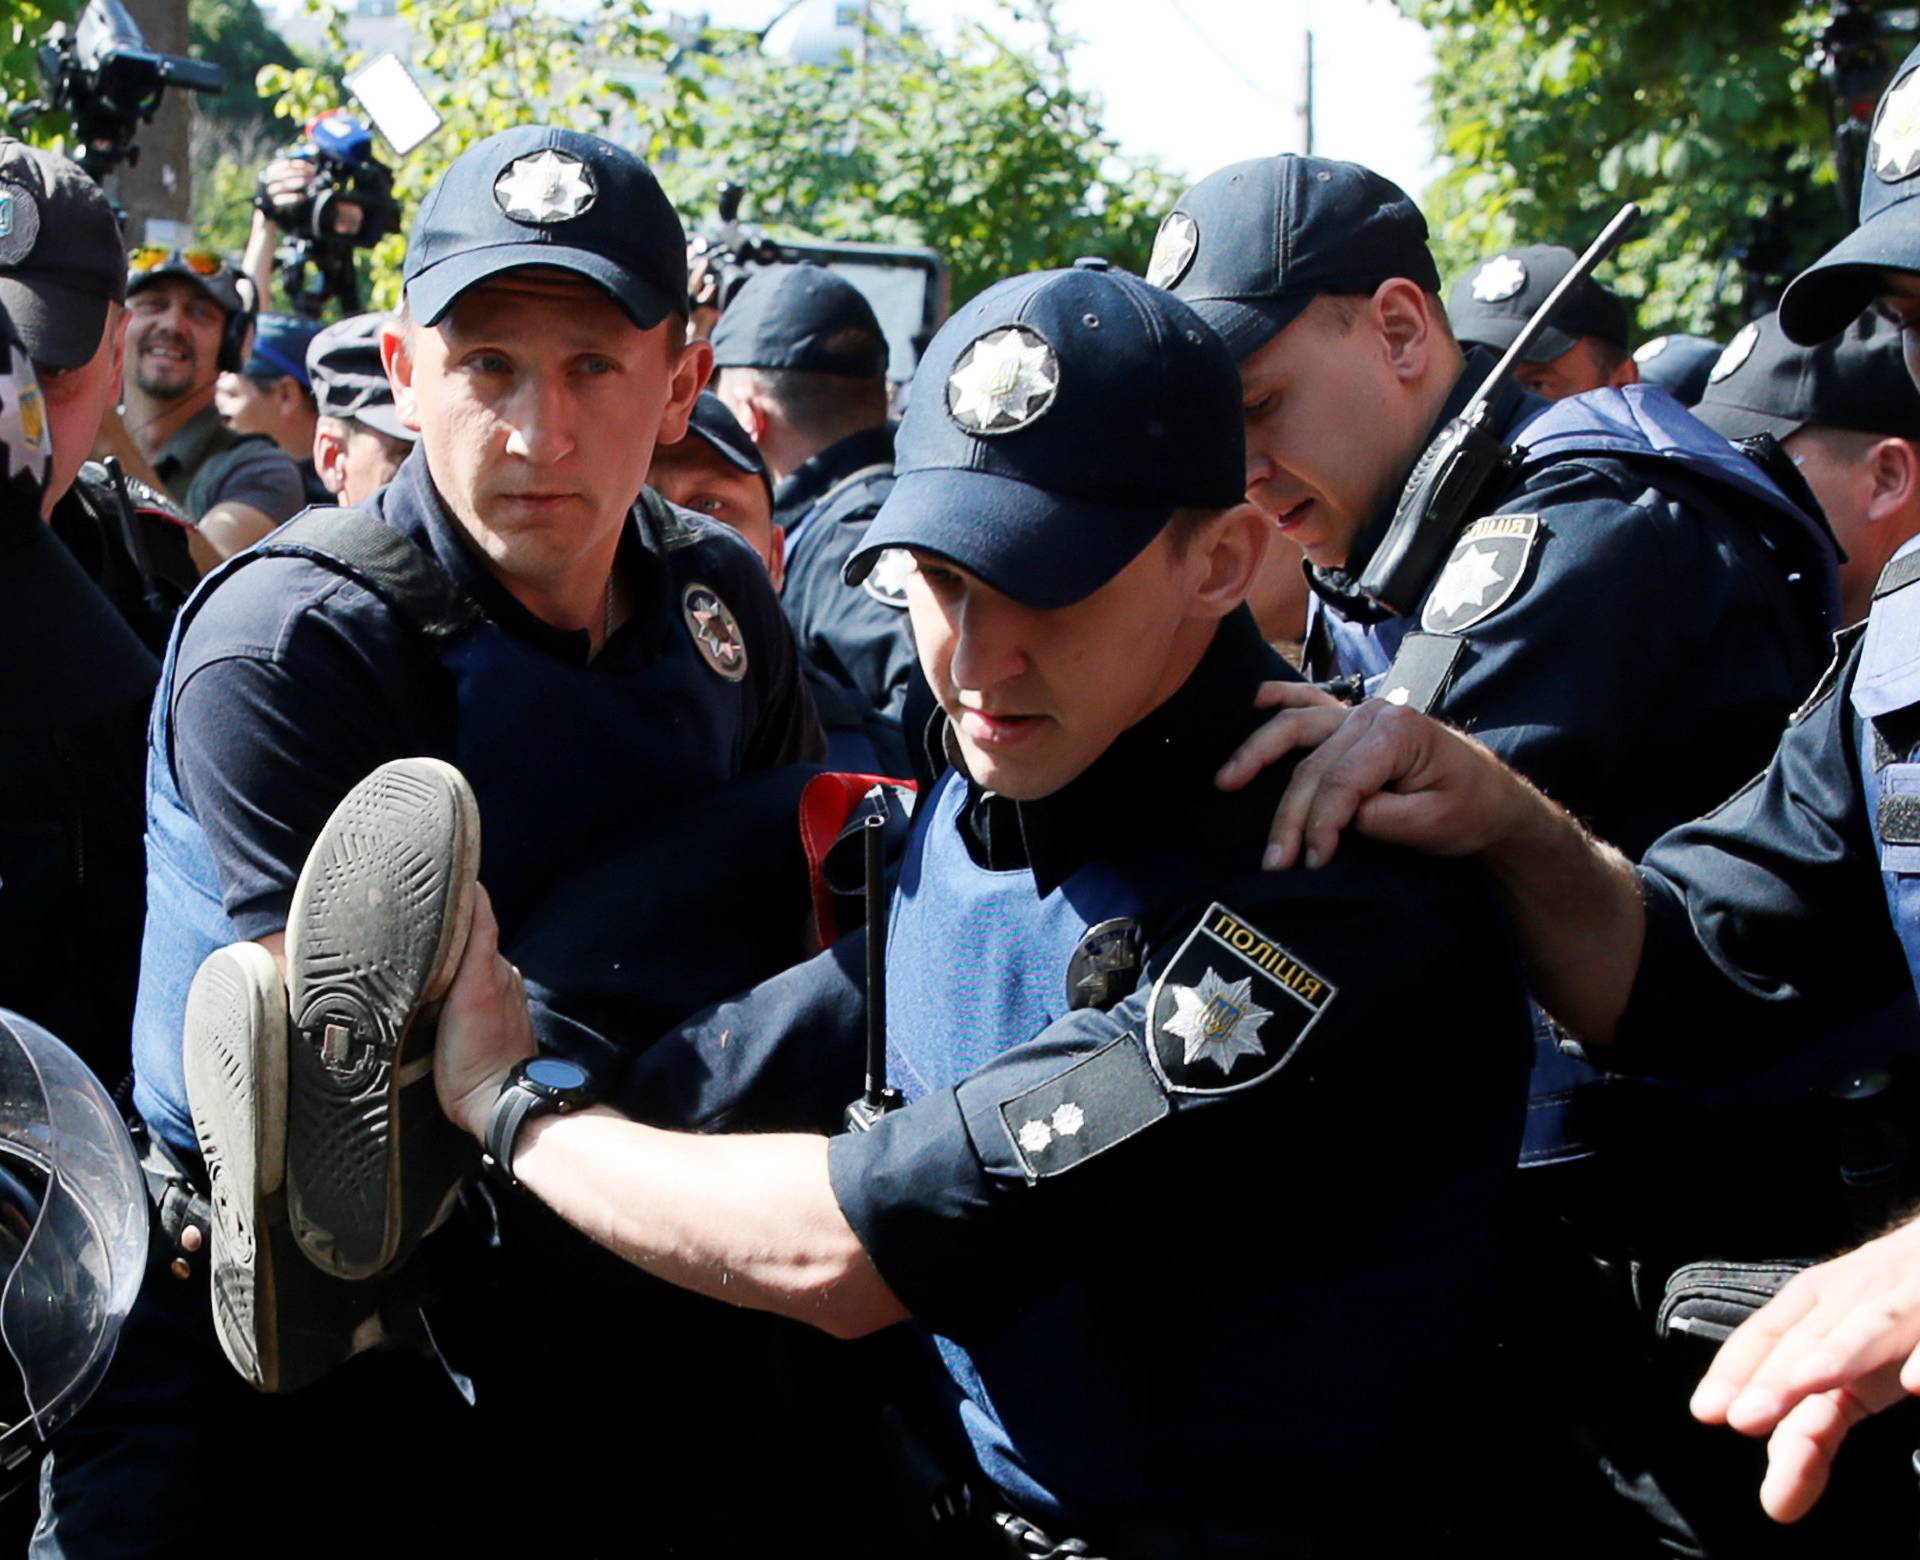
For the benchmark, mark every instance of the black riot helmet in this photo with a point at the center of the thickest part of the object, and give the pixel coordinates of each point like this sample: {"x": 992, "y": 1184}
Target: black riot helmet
{"x": 73, "y": 1237}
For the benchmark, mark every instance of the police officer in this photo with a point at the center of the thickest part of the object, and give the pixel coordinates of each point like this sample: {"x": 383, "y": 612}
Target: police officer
{"x": 359, "y": 441}
{"x": 1782, "y": 913}
{"x": 1679, "y": 364}
{"x": 1848, "y": 416}
{"x": 189, "y": 323}
{"x": 1108, "y": 1031}
{"x": 503, "y": 601}
{"x": 801, "y": 362}
{"x": 272, "y": 394}
{"x": 1585, "y": 348}
{"x": 716, "y": 470}
{"x": 1632, "y": 548}
{"x": 63, "y": 278}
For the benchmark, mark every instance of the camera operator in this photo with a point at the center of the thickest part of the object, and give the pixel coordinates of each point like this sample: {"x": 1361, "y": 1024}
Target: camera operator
{"x": 187, "y": 322}
{"x": 359, "y": 441}
{"x": 63, "y": 279}
{"x": 283, "y": 189}
{"x": 273, "y": 395}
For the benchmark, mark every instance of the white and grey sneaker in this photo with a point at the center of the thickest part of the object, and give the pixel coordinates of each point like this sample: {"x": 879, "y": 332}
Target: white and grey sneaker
{"x": 379, "y": 921}
{"x": 281, "y": 1322}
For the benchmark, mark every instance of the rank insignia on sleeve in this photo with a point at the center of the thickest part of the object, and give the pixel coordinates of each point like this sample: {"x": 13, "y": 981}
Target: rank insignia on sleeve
{"x": 1098, "y": 1102}
{"x": 1482, "y": 573}
{"x": 1230, "y": 1008}
{"x": 886, "y": 581}
{"x": 716, "y": 632}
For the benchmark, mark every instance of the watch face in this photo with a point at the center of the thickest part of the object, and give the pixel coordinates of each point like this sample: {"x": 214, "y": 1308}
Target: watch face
{"x": 550, "y": 1072}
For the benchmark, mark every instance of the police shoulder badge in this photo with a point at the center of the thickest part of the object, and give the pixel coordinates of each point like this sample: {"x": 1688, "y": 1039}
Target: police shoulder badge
{"x": 1230, "y": 1008}
{"x": 1482, "y": 574}
{"x": 1736, "y": 352}
{"x": 716, "y": 632}
{"x": 1174, "y": 247}
{"x": 1499, "y": 279}
{"x": 886, "y": 581}
{"x": 544, "y": 187}
{"x": 19, "y": 224}
{"x": 1896, "y": 132}
{"x": 1003, "y": 381}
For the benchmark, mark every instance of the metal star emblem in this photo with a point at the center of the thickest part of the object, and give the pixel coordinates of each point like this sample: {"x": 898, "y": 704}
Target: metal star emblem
{"x": 1173, "y": 248}
{"x": 1035, "y": 1136}
{"x": 19, "y": 224}
{"x": 1218, "y": 1021}
{"x": 1467, "y": 580}
{"x": 715, "y": 632}
{"x": 1737, "y": 352}
{"x": 1651, "y": 350}
{"x": 1499, "y": 279}
{"x": 1896, "y": 135}
{"x": 1004, "y": 381}
{"x": 544, "y": 187}
{"x": 887, "y": 579}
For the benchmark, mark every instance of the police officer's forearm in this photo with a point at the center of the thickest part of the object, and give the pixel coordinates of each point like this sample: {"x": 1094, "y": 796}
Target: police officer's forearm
{"x": 1577, "y": 905}
{"x": 750, "y": 1220}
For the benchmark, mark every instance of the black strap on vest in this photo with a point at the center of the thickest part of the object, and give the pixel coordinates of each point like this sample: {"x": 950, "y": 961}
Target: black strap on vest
{"x": 394, "y": 567}
{"x": 849, "y": 497}
{"x": 1898, "y": 575}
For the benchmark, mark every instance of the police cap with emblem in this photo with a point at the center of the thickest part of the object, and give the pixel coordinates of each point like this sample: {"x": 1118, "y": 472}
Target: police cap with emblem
{"x": 1061, "y": 418}
{"x": 1251, "y": 246}
{"x": 541, "y": 196}
{"x": 61, "y": 261}
{"x": 1857, "y": 380}
{"x": 1489, "y": 305}
{"x": 344, "y": 369}
{"x": 1678, "y": 364}
{"x": 801, "y": 317}
{"x": 1822, "y": 299}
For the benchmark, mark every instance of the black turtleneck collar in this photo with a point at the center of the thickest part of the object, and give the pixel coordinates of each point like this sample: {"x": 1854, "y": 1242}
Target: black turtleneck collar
{"x": 1149, "y": 781}
{"x": 807, "y": 484}
{"x": 1340, "y": 587}
{"x": 413, "y": 505}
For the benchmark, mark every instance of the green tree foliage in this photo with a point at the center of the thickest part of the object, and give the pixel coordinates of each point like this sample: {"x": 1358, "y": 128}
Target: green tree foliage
{"x": 1552, "y": 112}
{"x": 235, "y": 34}
{"x": 23, "y": 26}
{"x": 982, "y": 150}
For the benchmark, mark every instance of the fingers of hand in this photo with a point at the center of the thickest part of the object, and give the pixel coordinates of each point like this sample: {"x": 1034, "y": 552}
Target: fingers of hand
{"x": 1304, "y": 726}
{"x": 1801, "y": 1450}
{"x": 1321, "y": 798}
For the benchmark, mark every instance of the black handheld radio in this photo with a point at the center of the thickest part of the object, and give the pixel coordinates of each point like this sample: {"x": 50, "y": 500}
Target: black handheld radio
{"x": 878, "y": 1099}
{"x": 1451, "y": 478}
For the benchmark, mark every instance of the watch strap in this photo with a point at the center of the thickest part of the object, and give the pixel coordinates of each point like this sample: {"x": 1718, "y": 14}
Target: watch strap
{"x": 510, "y": 1111}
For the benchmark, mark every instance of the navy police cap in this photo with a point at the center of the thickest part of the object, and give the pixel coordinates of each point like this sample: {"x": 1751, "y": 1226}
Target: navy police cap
{"x": 1491, "y": 303}
{"x": 802, "y": 317}
{"x": 1251, "y": 246}
{"x": 542, "y": 196}
{"x": 1824, "y": 298}
{"x": 715, "y": 426}
{"x": 1765, "y": 383}
{"x": 1057, "y": 423}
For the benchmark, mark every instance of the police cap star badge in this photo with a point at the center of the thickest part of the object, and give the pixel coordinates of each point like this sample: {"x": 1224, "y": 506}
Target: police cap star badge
{"x": 1004, "y": 381}
{"x": 544, "y": 187}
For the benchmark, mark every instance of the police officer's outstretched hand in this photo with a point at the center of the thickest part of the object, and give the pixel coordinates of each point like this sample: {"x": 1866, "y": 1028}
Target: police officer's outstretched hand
{"x": 484, "y": 1027}
{"x": 1387, "y": 772}
{"x": 1840, "y": 1342}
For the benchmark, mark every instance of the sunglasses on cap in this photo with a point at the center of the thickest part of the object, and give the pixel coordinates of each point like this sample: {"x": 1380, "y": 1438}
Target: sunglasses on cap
{"x": 151, "y": 257}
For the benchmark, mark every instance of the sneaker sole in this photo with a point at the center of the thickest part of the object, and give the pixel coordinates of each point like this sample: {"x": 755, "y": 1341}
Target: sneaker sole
{"x": 236, "y": 1050}
{"x": 379, "y": 922}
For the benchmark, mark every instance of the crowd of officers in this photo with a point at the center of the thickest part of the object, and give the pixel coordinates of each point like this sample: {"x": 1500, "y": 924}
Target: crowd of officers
{"x": 1246, "y": 1197}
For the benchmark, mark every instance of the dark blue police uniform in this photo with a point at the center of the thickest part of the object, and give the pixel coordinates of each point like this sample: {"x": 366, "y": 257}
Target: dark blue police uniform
{"x": 857, "y": 633}
{"x": 1184, "y": 1254}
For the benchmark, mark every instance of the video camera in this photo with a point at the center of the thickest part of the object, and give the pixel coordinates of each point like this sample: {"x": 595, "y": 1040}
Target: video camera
{"x": 905, "y": 283}
{"x": 101, "y": 73}
{"x": 1851, "y": 56}
{"x": 348, "y": 205}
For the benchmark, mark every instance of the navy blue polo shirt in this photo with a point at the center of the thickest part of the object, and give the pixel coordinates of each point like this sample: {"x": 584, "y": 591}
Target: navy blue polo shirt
{"x": 293, "y": 681}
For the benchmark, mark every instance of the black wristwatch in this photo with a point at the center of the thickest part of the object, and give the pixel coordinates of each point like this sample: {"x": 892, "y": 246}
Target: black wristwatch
{"x": 539, "y": 1086}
